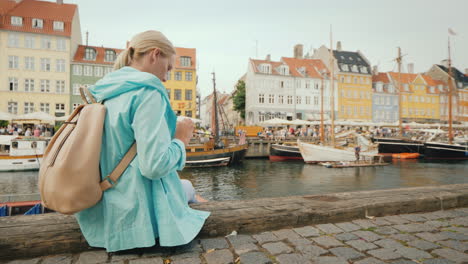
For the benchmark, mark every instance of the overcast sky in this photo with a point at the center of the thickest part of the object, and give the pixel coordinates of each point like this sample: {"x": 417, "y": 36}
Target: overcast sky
{"x": 225, "y": 33}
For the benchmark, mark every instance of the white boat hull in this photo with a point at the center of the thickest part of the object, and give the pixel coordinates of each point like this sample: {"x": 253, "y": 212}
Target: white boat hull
{"x": 20, "y": 164}
{"x": 315, "y": 153}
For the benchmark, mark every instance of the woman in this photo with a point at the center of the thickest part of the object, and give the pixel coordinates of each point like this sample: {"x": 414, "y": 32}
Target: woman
{"x": 149, "y": 201}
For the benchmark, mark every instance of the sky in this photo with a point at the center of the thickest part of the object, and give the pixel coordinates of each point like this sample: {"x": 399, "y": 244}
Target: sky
{"x": 227, "y": 33}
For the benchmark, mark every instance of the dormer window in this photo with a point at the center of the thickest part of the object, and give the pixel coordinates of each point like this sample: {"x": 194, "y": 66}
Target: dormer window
{"x": 90, "y": 54}
{"x": 406, "y": 87}
{"x": 440, "y": 87}
{"x": 185, "y": 61}
{"x": 359, "y": 59}
{"x": 363, "y": 69}
{"x": 110, "y": 56}
{"x": 58, "y": 26}
{"x": 16, "y": 21}
{"x": 350, "y": 58}
{"x": 354, "y": 68}
{"x": 37, "y": 23}
{"x": 265, "y": 68}
{"x": 379, "y": 87}
{"x": 301, "y": 70}
{"x": 345, "y": 67}
{"x": 391, "y": 89}
{"x": 284, "y": 70}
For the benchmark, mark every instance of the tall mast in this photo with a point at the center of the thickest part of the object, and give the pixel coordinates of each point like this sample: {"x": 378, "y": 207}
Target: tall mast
{"x": 322, "y": 136}
{"x": 400, "y": 108}
{"x": 332, "y": 89}
{"x": 450, "y": 92}
{"x": 215, "y": 110}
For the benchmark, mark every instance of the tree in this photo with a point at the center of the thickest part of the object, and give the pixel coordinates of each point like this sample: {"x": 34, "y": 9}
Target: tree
{"x": 239, "y": 98}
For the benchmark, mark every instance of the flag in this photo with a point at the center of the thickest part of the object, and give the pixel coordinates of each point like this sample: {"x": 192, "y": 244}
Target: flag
{"x": 451, "y": 32}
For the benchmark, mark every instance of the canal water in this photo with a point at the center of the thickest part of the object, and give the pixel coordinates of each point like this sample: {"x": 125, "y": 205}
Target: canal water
{"x": 257, "y": 178}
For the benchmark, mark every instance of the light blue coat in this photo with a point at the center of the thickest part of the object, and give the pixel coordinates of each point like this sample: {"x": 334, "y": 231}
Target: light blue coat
{"x": 148, "y": 201}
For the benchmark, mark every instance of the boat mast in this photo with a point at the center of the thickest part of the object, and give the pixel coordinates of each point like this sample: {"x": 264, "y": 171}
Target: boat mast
{"x": 450, "y": 92}
{"x": 215, "y": 110}
{"x": 332, "y": 89}
{"x": 400, "y": 108}
{"x": 322, "y": 136}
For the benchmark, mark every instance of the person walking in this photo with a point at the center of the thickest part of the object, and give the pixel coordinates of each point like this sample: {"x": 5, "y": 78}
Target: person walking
{"x": 150, "y": 201}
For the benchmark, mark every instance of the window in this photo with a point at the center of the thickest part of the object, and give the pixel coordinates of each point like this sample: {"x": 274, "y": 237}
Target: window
{"x": 284, "y": 70}
{"x": 77, "y": 70}
{"x": 185, "y": 61}
{"x": 75, "y": 106}
{"x": 261, "y": 117}
{"x": 29, "y": 42}
{"x": 271, "y": 99}
{"x": 280, "y": 99}
{"x": 16, "y": 21}
{"x": 290, "y": 99}
{"x": 98, "y": 72}
{"x": 316, "y": 100}
{"x": 178, "y": 76}
{"x": 61, "y": 44}
{"x": 59, "y": 107}
{"x": 422, "y": 99}
{"x": 168, "y": 93}
{"x": 110, "y": 56}
{"x": 188, "y": 113}
{"x": 364, "y": 69}
{"x": 168, "y": 76}
{"x": 13, "y": 62}
{"x": 60, "y": 87}
{"x": 45, "y": 64}
{"x": 354, "y": 68}
{"x": 342, "y": 79}
{"x": 108, "y": 70}
{"x": 345, "y": 67}
{"x": 307, "y": 84}
{"x": 13, "y": 40}
{"x": 90, "y": 54}
{"x": 281, "y": 84}
{"x": 177, "y": 94}
{"x": 261, "y": 98}
{"x": 60, "y": 65}
{"x": 88, "y": 70}
{"x": 76, "y": 89}
{"x": 45, "y": 86}
{"x": 44, "y": 107}
{"x": 13, "y": 108}
{"x": 28, "y": 107}
{"x": 29, "y": 85}
{"x": 13, "y": 84}
{"x": 265, "y": 68}
{"x": 405, "y": 87}
{"x": 37, "y": 23}
{"x": 58, "y": 25}
{"x": 29, "y": 63}
{"x": 46, "y": 43}
{"x": 188, "y": 76}
{"x": 307, "y": 99}
{"x": 188, "y": 95}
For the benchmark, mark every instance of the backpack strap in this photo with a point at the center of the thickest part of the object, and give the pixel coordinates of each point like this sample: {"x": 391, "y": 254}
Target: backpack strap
{"x": 85, "y": 94}
{"x": 111, "y": 179}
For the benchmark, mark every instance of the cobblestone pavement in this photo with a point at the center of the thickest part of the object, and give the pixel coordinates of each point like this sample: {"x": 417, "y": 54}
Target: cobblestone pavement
{"x": 430, "y": 238}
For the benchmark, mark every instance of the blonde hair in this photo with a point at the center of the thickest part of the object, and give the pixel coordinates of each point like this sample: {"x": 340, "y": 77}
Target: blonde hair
{"x": 140, "y": 44}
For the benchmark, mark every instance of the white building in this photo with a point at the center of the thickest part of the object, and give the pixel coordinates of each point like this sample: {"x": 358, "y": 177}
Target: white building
{"x": 287, "y": 89}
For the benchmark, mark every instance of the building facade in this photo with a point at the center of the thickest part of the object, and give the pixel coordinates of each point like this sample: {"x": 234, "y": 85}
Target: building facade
{"x": 37, "y": 40}
{"x": 385, "y": 105}
{"x": 89, "y": 65}
{"x": 353, "y": 74}
{"x": 181, "y": 83}
{"x": 288, "y": 89}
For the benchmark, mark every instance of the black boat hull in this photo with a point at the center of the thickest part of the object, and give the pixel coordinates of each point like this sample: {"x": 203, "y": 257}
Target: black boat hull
{"x": 235, "y": 155}
{"x": 435, "y": 150}
{"x": 393, "y": 145}
{"x": 284, "y": 153}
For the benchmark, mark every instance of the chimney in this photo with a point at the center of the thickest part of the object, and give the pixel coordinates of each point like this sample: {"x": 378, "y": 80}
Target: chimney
{"x": 410, "y": 67}
{"x": 298, "y": 51}
{"x": 444, "y": 63}
{"x": 59, "y": 2}
{"x": 268, "y": 57}
{"x": 375, "y": 70}
{"x": 338, "y": 46}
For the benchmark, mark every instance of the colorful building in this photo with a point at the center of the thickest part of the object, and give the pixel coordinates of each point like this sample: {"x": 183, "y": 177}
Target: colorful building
{"x": 181, "y": 83}
{"x": 385, "y": 104}
{"x": 37, "y": 42}
{"x": 353, "y": 74}
{"x": 89, "y": 65}
{"x": 420, "y": 100}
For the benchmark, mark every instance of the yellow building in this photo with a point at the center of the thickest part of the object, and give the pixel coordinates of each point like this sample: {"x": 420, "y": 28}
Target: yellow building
{"x": 420, "y": 100}
{"x": 37, "y": 40}
{"x": 353, "y": 97}
{"x": 181, "y": 83}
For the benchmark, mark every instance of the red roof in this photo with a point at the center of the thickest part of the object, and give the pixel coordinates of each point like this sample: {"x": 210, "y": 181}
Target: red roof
{"x": 405, "y": 77}
{"x": 29, "y": 9}
{"x": 311, "y": 67}
{"x": 100, "y": 55}
{"x": 186, "y": 52}
{"x": 380, "y": 77}
{"x": 274, "y": 65}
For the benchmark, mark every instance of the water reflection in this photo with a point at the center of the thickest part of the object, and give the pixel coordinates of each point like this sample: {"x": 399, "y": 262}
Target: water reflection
{"x": 261, "y": 178}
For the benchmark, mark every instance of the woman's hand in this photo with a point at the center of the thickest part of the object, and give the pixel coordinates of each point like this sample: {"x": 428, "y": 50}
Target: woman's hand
{"x": 184, "y": 131}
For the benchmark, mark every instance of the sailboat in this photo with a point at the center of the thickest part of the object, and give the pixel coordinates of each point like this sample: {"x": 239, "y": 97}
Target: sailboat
{"x": 450, "y": 150}
{"x": 217, "y": 151}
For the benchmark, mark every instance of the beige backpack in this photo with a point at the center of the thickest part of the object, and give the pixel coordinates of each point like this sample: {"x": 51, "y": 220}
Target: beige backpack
{"x": 69, "y": 176}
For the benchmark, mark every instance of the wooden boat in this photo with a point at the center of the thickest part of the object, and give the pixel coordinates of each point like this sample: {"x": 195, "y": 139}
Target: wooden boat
{"x": 203, "y": 156}
{"x": 285, "y": 152}
{"x": 405, "y": 155}
{"x": 22, "y": 208}
{"x": 21, "y": 153}
{"x": 312, "y": 153}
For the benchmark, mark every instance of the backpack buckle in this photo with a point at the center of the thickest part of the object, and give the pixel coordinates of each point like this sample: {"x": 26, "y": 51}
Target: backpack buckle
{"x": 107, "y": 183}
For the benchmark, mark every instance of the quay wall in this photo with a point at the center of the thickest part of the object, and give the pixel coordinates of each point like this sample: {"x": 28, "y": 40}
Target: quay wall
{"x": 49, "y": 234}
